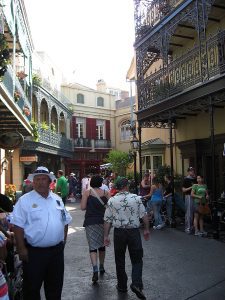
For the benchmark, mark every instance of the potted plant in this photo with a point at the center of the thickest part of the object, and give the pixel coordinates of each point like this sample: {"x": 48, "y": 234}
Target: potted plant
{"x": 4, "y": 55}
{"x": 44, "y": 125}
{"x": 34, "y": 125}
{"x": 21, "y": 75}
{"x": 53, "y": 128}
{"x": 10, "y": 191}
{"x": 17, "y": 96}
{"x": 36, "y": 79}
{"x": 26, "y": 110}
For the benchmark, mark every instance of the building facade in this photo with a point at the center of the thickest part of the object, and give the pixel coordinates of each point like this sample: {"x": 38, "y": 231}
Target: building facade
{"x": 16, "y": 49}
{"x": 93, "y": 127}
{"x": 180, "y": 60}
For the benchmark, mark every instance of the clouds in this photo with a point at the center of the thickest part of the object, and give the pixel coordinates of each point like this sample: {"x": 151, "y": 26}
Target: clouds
{"x": 95, "y": 38}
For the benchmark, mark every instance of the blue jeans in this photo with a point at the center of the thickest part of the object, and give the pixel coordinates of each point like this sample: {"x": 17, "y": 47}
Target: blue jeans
{"x": 169, "y": 207}
{"x": 156, "y": 207}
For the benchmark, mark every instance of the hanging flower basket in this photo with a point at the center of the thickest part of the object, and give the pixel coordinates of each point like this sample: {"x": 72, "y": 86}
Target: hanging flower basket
{"x": 26, "y": 111}
{"x": 21, "y": 75}
{"x": 17, "y": 96}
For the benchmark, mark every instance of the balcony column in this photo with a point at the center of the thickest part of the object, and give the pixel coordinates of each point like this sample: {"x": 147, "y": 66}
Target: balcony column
{"x": 202, "y": 11}
{"x": 216, "y": 233}
{"x": 173, "y": 223}
{"x": 139, "y": 149}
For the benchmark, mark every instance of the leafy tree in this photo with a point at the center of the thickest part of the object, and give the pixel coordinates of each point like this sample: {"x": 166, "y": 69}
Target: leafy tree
{"x": 120, "y": 161}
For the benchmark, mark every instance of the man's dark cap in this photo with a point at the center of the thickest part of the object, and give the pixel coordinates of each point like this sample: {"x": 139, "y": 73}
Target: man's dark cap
{"x": 121, "y": 182}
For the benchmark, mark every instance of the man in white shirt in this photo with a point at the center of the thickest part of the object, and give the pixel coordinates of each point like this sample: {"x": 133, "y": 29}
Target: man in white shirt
{"x": 40, "y": 226}
{"x": 123, "y": 212}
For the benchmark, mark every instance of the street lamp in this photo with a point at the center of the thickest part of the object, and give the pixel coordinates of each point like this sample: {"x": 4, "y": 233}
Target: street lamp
{"x": 11, "y": 165}
{"x": 134, "y": 146}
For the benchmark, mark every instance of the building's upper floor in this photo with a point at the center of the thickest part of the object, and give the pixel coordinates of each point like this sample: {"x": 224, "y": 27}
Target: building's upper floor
{"x": 179, "y": 46}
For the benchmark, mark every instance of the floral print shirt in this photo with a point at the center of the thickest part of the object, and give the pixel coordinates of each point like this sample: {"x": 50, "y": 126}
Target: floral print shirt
{"x": 124, "y": 210}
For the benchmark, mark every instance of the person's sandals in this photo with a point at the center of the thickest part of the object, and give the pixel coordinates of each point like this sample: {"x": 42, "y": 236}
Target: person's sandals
{"x": 137, "y": 291}
{"x": 95, "y": 277}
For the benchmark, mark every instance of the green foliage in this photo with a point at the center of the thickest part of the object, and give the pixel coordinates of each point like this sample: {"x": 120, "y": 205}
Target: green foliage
{"x": 36, "y": 79}
{"x": 53, "y": 128}
{"x": 120, "y": 161}
{"x": 162, "y": 171}
{"x": 34, "y": 125}
{"x": 130, "y": 176}
{"x": 44, "y": 125}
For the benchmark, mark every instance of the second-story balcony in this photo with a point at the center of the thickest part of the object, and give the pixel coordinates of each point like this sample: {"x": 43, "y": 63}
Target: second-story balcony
{"x": 150, "y": 12}
{"x": 90, "y": 143}
{"x": 51, "y": 142}
{"x": 183, "y": 73}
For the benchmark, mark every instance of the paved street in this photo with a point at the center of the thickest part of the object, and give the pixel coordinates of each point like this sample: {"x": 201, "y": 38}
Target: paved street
{"x": 176, "y": 266}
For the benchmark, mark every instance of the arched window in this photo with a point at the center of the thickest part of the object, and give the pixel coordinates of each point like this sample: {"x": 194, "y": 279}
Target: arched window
{"x": 100, "y": 101}
{"x": 125, "y": 130}
{"x": 80, "y": 98}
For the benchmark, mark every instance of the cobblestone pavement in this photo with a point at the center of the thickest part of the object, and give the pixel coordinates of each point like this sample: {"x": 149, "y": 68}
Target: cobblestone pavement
{"x": 177, "y": 266}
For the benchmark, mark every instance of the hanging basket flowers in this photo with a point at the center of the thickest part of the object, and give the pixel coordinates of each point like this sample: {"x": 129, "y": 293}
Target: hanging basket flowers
{"x": 26, "y": 111}
{"x": 17, "y": 96}
{"x": 21, "y": 75}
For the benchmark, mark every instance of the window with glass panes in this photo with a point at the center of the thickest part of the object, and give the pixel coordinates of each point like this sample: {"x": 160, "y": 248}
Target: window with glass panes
{"x": 100, "y": 129}
{"x": 80, "y": 127}
{"x": 125, "y": 131}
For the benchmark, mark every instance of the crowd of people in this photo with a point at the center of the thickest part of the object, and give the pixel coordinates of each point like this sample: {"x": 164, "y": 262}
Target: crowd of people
{"x": 38, "y": 224}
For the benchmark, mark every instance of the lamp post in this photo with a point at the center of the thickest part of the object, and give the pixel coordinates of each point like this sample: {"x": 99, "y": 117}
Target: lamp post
{"x": 134, "y": 146}
{"x": 11, "y": 165}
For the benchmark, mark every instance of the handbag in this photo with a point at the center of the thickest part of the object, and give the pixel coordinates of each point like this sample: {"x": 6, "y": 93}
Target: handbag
{"x": 204, "y": 209}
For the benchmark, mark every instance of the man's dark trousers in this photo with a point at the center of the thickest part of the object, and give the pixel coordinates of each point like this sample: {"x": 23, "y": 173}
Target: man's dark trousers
{"x": 44, "y": 265}
{"x": 130, "y": 238}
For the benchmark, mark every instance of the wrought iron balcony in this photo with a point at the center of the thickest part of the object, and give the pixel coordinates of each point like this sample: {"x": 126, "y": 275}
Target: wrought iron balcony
{"x": 55, "y": 139}
{"x": 102, "y": 144}
{"x": 149, "y": 12}
{"x": 183, "y": 73}
{"x": 82, "y": 143}
{"x": 22, "y": 100}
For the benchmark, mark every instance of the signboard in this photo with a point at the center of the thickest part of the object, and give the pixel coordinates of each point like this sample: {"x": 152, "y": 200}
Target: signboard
{"x": 28, "y": 158}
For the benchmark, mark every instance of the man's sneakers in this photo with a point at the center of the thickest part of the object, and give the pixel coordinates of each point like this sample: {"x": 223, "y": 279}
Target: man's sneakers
{"x": 137, "y": 291}
{"x": 121, "y": 290}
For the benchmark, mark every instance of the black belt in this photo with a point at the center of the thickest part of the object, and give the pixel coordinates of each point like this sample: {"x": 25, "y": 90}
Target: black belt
{"x": 46, "y": 248}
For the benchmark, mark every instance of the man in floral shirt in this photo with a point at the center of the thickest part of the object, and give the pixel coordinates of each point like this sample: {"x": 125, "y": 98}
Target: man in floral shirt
{"x": 124, "y": 212}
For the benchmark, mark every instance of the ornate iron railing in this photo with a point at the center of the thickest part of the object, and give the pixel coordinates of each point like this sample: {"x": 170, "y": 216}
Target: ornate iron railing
{"x": 82, "y": 142}
{"x": 102, "y": 144}
{"x": 22, "y": 100}
{"x": 182, "y": 73}
{"x": 55, "y": 139}
{"x": 149, "y": 12}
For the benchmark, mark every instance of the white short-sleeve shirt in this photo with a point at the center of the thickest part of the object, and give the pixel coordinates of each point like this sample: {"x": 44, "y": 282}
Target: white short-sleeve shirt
{"x": 43, "y": 219}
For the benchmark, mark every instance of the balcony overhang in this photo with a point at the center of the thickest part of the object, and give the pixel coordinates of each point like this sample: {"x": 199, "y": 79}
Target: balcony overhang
{"x": 11, "y": 117}
{"x": 189, "y": 102}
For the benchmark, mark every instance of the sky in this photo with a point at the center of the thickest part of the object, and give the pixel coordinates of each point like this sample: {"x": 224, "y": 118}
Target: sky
{"x": 87, "y": 39}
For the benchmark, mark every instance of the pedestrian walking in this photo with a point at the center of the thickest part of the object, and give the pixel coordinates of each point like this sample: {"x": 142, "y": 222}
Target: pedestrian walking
{"x": 40, "y": 226}
{"x": 94, "y": 201}
{"x": 145, "y": 185}
{"x": 123, "y": 212}
{"x": 188, "y": 181}
{"x": 62, "y": 186}
{"x": 167, "y": 196}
